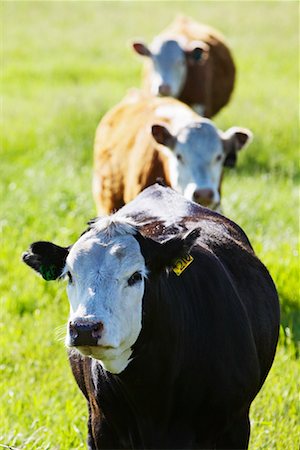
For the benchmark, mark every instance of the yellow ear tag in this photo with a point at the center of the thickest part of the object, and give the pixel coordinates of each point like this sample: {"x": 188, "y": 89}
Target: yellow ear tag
{"x": 181, "y": 264}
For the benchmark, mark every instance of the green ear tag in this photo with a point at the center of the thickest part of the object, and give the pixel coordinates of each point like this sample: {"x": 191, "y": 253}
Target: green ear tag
{"x": 48, "y": 272}
{"x": 180, "y": 264}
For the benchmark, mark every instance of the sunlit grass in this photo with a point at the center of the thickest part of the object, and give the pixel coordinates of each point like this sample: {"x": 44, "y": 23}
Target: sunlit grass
{"x": 64, "y": 65}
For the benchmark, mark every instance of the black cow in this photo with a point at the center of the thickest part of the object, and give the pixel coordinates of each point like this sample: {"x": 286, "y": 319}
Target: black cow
{"x": 173, "y": 326}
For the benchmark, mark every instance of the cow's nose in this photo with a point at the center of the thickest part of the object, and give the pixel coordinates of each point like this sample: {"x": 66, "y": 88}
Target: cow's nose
{"x": 203, "y": 196}
{"x": 164, "y": 90}
{"x": 84, "y": 333}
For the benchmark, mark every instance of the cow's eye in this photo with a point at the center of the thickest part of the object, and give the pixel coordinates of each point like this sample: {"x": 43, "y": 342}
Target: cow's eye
{"x": 135, "y": 278}
{"x": 218, "y": 157}
{"x": 69, "y": 277}
{"x": 179, "y": 157}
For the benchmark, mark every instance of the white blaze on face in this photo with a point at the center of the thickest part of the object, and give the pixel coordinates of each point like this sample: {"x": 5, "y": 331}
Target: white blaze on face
{"x": 169, "y": 67}
{"x": 101, "y": 263}
{"x": 197, "y": 160}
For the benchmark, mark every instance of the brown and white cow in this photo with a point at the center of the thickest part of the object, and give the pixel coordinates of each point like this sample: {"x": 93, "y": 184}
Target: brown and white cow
{"x": 145, "y": 138}
{"x": 191, "y": 62}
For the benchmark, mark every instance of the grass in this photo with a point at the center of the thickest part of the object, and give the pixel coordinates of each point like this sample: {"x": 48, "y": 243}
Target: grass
{"x": 63, "y": 65}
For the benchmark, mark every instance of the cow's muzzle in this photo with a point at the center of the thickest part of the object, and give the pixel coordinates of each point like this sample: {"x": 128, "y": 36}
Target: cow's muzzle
{"x": 83, "y": 333}
{"x": 164, "y": 90}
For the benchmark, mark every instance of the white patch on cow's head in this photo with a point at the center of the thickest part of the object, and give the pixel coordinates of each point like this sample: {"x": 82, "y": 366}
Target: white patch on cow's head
{"x": 169, "y": 68}
{"x": 107, "y": 272}
{"x": 196, "y": 163}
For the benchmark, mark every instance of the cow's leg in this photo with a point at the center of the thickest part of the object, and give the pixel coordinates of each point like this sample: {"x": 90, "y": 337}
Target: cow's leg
{"x": 237, "y": 436}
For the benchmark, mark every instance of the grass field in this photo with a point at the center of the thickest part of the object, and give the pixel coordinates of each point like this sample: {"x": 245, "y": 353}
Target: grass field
{"x": 63, "y": 65}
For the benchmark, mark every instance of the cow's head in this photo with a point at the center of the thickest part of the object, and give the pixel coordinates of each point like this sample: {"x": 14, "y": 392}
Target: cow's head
{"x": 197, "y": 155}
{"x": 170, "y": 61}
{"x": 106, "y": 271}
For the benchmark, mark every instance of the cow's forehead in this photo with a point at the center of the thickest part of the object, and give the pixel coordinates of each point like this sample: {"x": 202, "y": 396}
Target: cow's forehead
{"x": 99, "y": 250}
{"x": 169, "y": 49}
{"x": 202, "y": 138}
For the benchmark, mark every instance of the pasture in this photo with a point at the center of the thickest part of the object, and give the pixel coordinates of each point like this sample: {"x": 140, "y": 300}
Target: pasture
{"x": 64, "y": 64}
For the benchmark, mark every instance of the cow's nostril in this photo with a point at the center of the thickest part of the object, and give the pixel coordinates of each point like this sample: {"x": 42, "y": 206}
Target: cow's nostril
{"x": 84, "y": 332}
{"x": 203, "y": 196}
{"x": 72, "y": 330}
{"x": 97, "y": 330}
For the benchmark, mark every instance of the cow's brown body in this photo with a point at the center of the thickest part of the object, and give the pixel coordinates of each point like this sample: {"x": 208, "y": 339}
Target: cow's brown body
{"x": 126, "y": 157}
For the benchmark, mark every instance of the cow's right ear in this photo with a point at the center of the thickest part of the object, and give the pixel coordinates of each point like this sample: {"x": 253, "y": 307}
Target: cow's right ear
{"x": 141, "y": 48}
{"x": 163, "y": 136}
{"x": 159, "y": 256}
{"x": 197, "y": 52}
{"x": 234, "y": 140}
{"x": 46, "y": 258}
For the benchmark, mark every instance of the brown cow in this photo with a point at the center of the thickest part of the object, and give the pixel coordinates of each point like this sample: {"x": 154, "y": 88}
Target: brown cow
{"x": 191, "y": 62}
{"x": 188, "y": 152}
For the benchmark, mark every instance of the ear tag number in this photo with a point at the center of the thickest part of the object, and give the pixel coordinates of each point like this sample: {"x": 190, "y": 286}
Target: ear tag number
{"x": 181, "y": 264}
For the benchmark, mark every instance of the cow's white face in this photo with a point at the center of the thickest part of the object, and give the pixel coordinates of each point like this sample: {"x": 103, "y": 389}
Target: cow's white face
{"x": 195, "y": 157}
{"x": 198, "y": 162}
{"x": 106, "y": 285}
{"x": 169, "y": 69}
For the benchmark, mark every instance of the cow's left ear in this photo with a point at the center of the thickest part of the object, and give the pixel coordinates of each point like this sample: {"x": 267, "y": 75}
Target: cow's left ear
{"x": 46, "y": 258}
{"x": 159, "y": 256}
{"x": 234, "y": 140}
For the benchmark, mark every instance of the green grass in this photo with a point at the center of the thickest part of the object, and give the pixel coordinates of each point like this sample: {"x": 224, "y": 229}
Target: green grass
{"x": 63, "y": 65}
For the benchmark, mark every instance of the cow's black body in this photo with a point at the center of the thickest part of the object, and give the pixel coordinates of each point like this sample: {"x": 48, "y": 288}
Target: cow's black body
{"x": 207, "y": 342}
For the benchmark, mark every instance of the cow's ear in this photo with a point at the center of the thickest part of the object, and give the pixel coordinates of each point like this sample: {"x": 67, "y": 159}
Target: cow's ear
{"x": 46, "y": 258}
{"x": 197, "y": 52}
{"x": 141, "y": 48}
{"x": 234, "y": 140}
{"x": 163, "y": 136}
{"x": 159, "y": 256}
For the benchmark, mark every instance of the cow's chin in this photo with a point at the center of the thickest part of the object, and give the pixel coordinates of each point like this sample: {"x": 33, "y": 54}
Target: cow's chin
{"x": 113, "y": 360}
